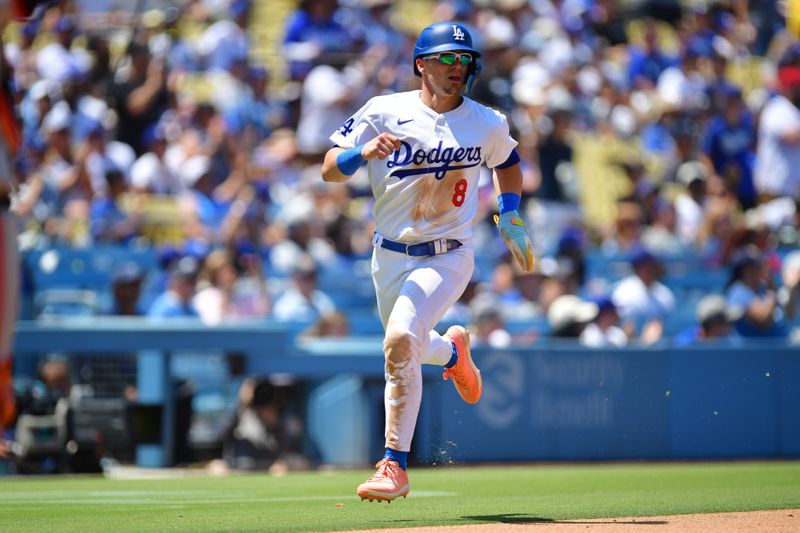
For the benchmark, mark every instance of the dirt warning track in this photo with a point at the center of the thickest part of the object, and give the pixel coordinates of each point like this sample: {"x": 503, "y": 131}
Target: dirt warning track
{"x": 784, "y": 521}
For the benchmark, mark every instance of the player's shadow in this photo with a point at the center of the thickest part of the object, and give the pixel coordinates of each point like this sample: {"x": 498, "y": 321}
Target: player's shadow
{"x": 518, "y": 518}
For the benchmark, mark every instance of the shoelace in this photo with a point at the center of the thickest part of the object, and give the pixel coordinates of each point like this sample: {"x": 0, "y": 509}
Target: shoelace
{"x": 383, "y": 469}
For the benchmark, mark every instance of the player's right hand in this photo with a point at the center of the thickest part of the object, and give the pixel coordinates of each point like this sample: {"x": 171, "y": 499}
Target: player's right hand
{"x": 381, "y": 147}
{"x": 512, "y": 230}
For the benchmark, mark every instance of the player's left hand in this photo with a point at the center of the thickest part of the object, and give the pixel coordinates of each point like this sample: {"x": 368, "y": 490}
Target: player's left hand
{"x": 512, "y": 230}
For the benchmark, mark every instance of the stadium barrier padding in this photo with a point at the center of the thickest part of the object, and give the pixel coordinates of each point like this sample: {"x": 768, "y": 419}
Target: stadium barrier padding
{"x": 549, "y": 402}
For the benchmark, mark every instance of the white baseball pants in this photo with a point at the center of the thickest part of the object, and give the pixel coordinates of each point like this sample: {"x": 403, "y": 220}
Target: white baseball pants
{"x": 413, "y": 294}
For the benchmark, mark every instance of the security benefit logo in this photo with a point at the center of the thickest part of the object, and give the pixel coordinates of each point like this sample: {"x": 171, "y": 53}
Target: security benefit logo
{"x": 503, "y": 389}
{"x": 574, "y": 390}
{"x": 554, "y": 390}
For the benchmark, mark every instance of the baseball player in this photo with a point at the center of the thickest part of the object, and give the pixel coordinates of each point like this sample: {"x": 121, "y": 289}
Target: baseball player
{"x": 423, "y": 150}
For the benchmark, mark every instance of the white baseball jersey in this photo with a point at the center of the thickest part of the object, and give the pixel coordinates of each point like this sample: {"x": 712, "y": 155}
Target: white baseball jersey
{"x": 777, "y": 169}
{"x": 428, "y": 189}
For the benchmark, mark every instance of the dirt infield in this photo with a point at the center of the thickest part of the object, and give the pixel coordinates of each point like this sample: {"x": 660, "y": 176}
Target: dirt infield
{"x": 786, "y": 521}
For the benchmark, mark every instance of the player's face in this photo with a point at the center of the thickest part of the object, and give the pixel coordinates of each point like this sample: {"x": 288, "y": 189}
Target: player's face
{"x": 446, "y": 73}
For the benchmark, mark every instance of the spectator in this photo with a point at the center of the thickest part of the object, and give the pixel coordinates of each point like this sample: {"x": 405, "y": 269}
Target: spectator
{"x": 150, "y": 173}
{"x": 604, "y": 330}
{"x": 58, "y": 61}
{"x": 22, "y": 56}
{"x": 777, "y": 170}
{"x": 690, "y": 205}
{"x": 646, "y": 63}
{"x": 203, "y": 213}
{"x": 717, "y": 229}
{"x": 104, "y": 156}
{"x": 224, "y": 295}
{"x": 569, "y": 315}
{"x": 126, "y": 290}
{"x": 302, "y": 238}
{"x": 642, "y": 300}
{"x": 331, "y": 325}
{"x": 39, "y": 100}
{"x": 176, "y": 300}
{"x": 627, "y": 229}
{"x": 261, "y": 435}
{"x": 489, "y": 328}
{"x": 661, "y": 236}
{"x": 493, "y": 87}
{"x": 715, "y": 323}
{"x": 141, "y": 96}
{"x": 715, "y": 318}
{"x": 257, "y": 112}
{"x": 683, "y": 84}
{"x": 789, "y": 293}
{"x": 555, "y": 160}
{"x": 329, "y": 93}
{"x": 729, "y": 146}
{"x": 312, "y": 30}
{"x": 109, "y": 223}
{"x": 226, "y": 41}
{"x": 751, "y": 293}
{"x": 303, "y": 301}
{"x": 378, "y": 30}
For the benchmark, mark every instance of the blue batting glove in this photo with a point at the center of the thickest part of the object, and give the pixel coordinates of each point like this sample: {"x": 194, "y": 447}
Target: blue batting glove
{"x": 512, "y": 230}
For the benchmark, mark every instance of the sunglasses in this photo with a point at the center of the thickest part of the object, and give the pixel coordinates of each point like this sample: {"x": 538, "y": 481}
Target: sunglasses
{"x": 450, "y": 58}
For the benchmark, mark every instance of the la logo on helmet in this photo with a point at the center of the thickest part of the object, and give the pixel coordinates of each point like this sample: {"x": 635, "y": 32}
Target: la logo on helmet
{"x": 458, "y": 35}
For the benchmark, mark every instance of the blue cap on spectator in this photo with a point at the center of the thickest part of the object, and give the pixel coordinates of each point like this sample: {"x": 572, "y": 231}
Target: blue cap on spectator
{"x": 246, "y": 247}
{"x": 571, "y": 238}
{"x": 698, "y": 48}
{"x": 573, "y": 24}
{"x": 641, "y": 256}
{"x": 153, "y": 133}
{"x": 167, "y": 255}
{"x": 95, "y": 129}
{"x": 239, "y": 7}
{"x": 791, "y": 56}
{"x": 731, "y": 91}
{"x": 259, "y": 73}
{"x": 724, "y": 21}
{"x": 605, "y": 303}
{"x": 65, "y": 24}
{"x": 30, "y": 29}
{"x": 196, "y": 248}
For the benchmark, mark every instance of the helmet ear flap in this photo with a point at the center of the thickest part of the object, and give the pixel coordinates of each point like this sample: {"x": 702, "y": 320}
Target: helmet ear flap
{"x": 472, "y": 74}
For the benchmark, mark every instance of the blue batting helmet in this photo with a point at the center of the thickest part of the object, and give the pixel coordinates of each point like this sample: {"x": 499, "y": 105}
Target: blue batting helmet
{"x": 447, "y": 37}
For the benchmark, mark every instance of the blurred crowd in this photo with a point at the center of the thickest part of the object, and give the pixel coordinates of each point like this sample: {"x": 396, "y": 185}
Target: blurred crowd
{"x": 165, "y": 130}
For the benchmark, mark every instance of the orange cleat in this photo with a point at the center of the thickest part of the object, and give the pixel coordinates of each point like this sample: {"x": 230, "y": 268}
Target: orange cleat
{"x": 388, "y": 483}
{"x": 465, "y": 375}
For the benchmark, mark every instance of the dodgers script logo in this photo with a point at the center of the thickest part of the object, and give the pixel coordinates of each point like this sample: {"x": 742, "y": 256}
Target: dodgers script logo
{"x": 458, "y": 35}
{"x": 440, "y": 159}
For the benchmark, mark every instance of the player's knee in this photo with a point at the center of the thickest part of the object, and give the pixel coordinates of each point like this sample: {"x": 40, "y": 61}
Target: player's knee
{"x": 398, "y": 345}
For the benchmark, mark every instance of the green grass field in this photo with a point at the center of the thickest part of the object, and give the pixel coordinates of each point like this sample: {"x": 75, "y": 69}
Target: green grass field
{"x": 317, "y": 501}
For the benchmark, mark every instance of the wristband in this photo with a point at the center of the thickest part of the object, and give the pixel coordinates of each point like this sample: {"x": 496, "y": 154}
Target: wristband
{"x": 508, "y": 201}
{"x": 349, "y": 160}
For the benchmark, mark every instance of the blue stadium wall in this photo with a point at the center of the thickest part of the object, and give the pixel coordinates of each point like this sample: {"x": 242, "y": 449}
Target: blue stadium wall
{"x": 626, "y": 404}
{"x": 551, "y": 403}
